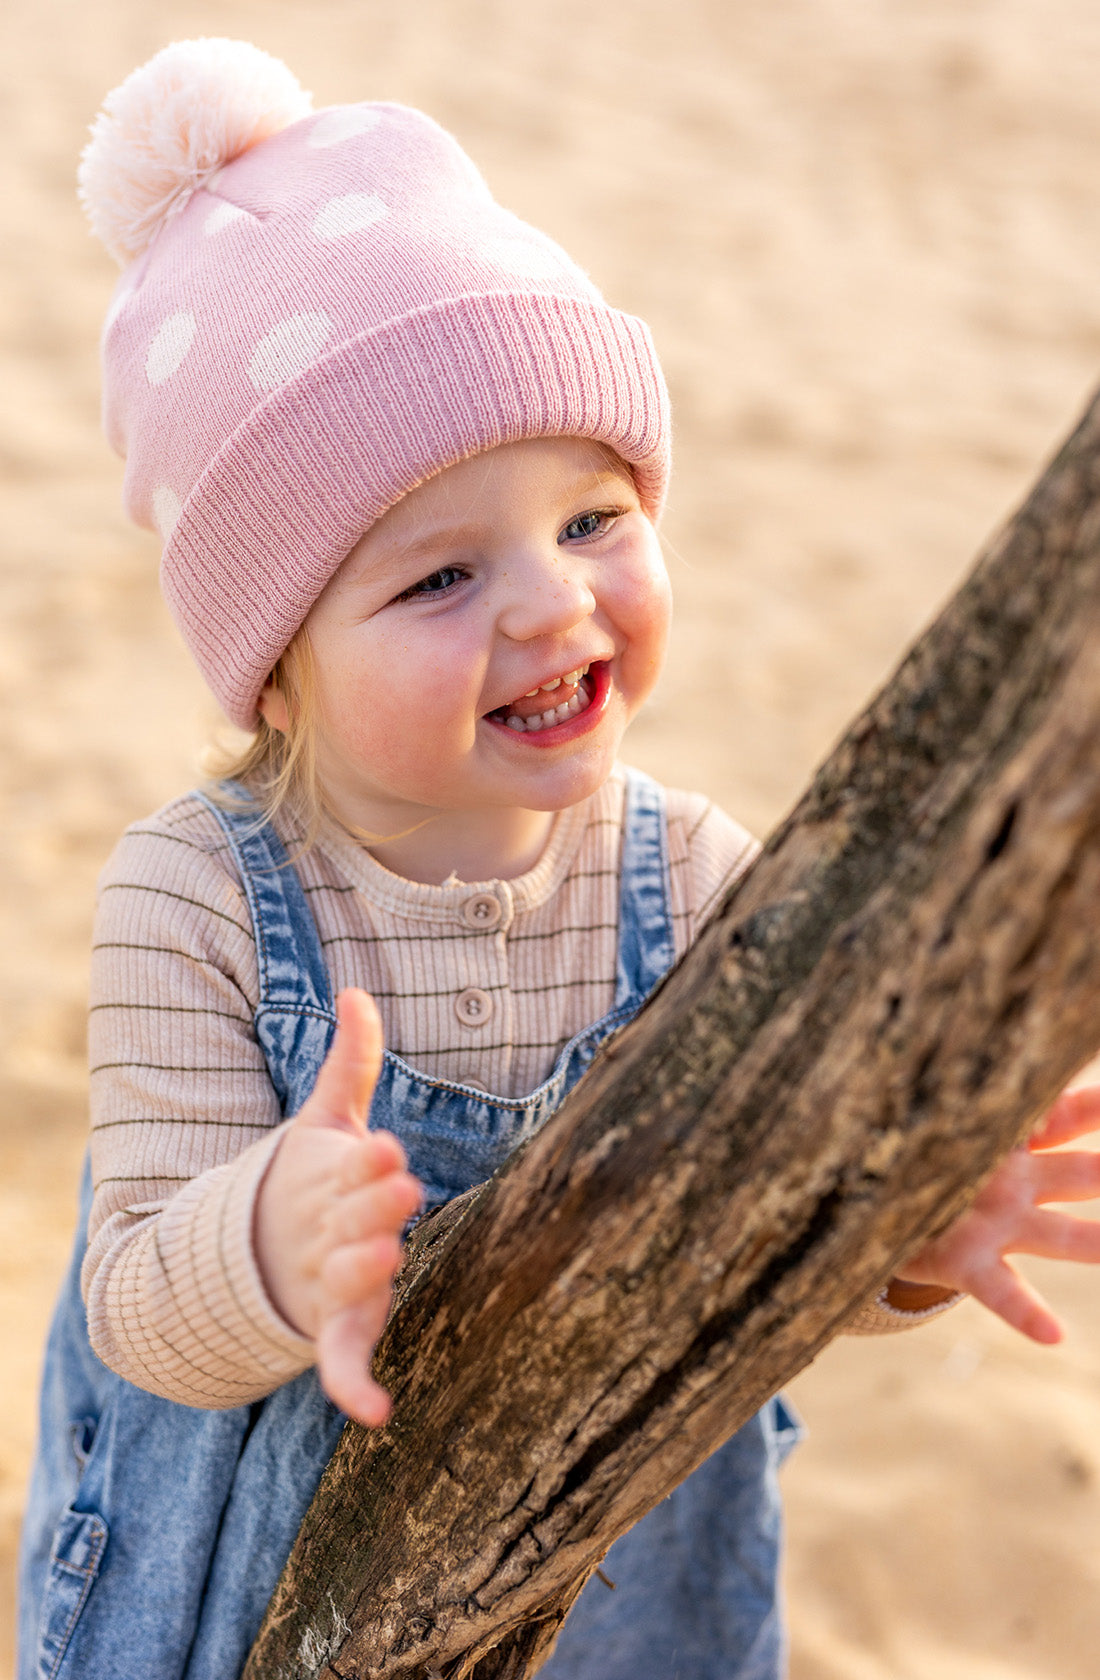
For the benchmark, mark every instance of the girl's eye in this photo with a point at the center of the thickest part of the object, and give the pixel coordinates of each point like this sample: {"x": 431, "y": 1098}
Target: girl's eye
{"x": 588, "y": 525}
{"x": 437, "y": 584}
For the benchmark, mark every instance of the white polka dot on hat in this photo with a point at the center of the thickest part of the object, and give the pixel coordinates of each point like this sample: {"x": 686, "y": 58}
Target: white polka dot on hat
{"x": 319, "y": 311}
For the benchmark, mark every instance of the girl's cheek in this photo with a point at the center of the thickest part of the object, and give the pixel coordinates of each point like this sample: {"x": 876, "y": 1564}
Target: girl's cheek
{"x": 654, "y": 583}
{"x": 652, "y": 614}
{"x": 664, "y": 606}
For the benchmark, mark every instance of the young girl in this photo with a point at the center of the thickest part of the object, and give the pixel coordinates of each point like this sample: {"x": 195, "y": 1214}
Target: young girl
{"x": 407, "y": 466}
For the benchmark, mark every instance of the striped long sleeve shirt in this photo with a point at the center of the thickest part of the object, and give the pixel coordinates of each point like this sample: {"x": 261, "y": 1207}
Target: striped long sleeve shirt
{"x": 184, "y": 1117}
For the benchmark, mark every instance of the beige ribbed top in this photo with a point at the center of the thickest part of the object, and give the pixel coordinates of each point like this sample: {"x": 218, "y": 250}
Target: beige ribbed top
{"x": 479, "y": 982}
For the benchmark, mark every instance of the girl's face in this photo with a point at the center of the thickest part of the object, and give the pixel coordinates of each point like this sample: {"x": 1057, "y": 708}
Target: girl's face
{"x": 484, "y": 646}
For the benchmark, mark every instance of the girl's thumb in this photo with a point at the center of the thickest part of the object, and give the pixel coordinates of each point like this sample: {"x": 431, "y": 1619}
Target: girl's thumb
{"x": 349, "y": 1073}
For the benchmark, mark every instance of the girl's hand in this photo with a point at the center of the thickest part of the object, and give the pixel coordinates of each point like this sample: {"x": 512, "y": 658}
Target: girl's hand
{"x": 330, "y": 1212}
{"x": 1007, "y": 1217}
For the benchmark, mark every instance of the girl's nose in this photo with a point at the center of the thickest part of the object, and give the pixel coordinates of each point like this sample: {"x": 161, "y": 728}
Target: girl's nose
{"x": 545, "y": 597}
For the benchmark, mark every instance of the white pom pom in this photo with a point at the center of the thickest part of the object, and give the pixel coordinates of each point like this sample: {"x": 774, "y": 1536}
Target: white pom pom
{"x": 171, "y": 125}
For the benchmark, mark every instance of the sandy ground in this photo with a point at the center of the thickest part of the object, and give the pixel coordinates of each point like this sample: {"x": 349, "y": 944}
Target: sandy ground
{"x": 867, "y": 236}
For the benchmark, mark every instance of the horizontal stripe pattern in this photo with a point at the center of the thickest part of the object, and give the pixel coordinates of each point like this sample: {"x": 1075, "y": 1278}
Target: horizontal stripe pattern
{"x": 184, "y": 1117}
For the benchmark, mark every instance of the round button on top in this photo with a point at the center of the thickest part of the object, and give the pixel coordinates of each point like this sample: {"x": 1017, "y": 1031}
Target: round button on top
{"x": 482, "y": 911}
{"x": 473, "y": 1007}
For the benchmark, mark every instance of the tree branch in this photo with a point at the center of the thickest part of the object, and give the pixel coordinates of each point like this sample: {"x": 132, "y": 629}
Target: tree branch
{"x": 903, "y": 981}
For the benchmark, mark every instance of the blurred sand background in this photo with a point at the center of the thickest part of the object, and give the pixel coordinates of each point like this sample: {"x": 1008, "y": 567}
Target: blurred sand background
{"x": 867, "y": 236}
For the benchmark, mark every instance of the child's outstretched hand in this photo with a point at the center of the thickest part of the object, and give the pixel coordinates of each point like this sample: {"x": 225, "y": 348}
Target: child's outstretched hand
{"x": 1008, "y": 1217}
{"x": 330, "y": 1212}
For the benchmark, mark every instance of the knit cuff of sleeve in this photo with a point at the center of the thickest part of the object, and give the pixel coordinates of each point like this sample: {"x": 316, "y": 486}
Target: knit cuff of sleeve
{"x": 262, "y": 1333}
{"x": 878, "y": 1317}
{"x": 183, "y": 1312}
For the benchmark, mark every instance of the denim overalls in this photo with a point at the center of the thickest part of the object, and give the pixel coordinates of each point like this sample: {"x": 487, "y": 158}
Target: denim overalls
{"x": 155, "y": 1532}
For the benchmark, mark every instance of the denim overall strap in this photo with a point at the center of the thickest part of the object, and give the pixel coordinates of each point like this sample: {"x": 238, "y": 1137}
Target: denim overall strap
{"x": 646, "y": 947}
{"x": 295, "y": 1017}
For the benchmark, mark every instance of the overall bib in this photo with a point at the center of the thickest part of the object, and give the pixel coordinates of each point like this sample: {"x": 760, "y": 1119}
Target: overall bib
{"x": 155, "y": 1532}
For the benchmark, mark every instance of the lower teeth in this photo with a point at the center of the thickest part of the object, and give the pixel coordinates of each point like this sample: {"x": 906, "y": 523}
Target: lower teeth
{"x": 556, "y": 715}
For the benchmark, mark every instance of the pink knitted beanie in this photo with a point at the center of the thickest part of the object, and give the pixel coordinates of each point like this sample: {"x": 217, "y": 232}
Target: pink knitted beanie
{"x": 318, "y": 312}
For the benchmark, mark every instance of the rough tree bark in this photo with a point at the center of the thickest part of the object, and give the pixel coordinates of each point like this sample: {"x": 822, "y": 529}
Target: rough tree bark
{"x": 906, "y": 977}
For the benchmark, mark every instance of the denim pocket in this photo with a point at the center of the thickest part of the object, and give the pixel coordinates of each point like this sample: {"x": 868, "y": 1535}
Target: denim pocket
{"x": 74, "y": 1564}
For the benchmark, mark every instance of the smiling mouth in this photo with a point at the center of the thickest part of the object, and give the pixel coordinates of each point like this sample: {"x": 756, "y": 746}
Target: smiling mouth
{"x": 551, "y": 704}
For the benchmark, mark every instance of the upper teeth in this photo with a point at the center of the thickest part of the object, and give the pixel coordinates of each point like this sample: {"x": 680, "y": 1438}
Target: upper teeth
{"x": 546, "y": 688}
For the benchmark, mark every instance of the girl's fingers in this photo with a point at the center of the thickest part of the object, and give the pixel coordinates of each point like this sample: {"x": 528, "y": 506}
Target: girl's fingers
{"x": 1070, "y": 1176}
{"x": 349, "y": 1072}
{"x": 1058, "y": 1236}
{"x": 1075, "y": 1114}
{"x": 344, "y": 1348}
{"x": 1001, "y": 1289}
{"x": 372, "y": 1157}
{"x": 360, "y": 1271}
{"x": 387, "y": 1204}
